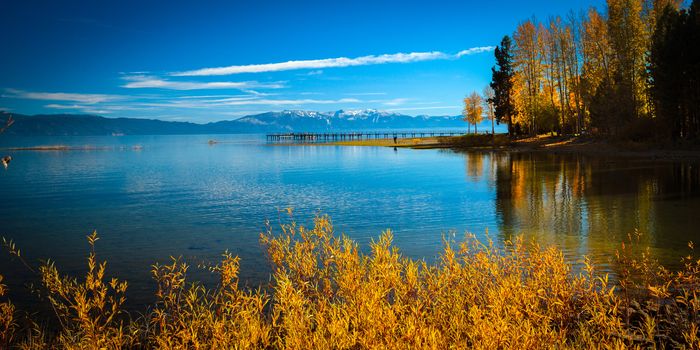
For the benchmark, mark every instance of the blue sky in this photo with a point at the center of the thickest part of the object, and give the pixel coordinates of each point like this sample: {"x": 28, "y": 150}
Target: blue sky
{"x": 147, "y": 59}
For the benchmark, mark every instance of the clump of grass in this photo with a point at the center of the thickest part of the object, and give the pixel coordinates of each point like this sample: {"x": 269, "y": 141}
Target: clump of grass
{"x": 475, "y": 140}
{"x": 326, "y": 292}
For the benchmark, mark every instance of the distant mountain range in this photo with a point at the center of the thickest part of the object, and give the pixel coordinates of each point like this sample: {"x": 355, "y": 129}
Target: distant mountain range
{"x": 285, "y": 121}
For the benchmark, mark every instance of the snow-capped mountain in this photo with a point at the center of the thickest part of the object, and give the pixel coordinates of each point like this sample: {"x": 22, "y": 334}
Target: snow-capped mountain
{"x": 343, "y": 120}
{"x": 284, "y": 121}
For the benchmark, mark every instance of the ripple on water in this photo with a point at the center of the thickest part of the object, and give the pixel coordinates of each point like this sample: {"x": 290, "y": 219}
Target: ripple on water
{"x": 181, "y": 196}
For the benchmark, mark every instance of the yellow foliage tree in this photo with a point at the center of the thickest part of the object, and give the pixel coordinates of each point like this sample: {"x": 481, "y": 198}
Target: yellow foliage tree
{"x": 473, "y": 109}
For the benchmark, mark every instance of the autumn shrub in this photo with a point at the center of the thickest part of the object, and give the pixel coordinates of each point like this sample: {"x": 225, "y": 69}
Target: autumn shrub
{"x": 190, "y": 316}
{"x": 328, "y": 292}
{"x": 7, "y": 319}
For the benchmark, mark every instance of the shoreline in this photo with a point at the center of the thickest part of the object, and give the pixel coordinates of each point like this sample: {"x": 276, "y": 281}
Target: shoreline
{"x": 538, "y": 144}
{"x": 602, "y": 147}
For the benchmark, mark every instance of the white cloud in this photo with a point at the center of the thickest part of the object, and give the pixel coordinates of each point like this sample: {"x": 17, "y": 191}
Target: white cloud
{"x": 332, "y": 62}
{"x": 61, "y": 96}
{"x": 96, "y": 111}
{"x": 96, "y": 108}
{"x": 59, "y": 106}
{"x": 475, "y": 50}
{"x": 145, "y": 81}
{"x": 219, "y": 104}
{"x": 84, "y": 109}
{"x": 204, "y": 96}
{"x": 257, "y": 93}
{"x": 395, "y": 102}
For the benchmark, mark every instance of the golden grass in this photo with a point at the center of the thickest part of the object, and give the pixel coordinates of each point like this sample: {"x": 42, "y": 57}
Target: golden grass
{"x": 404, "y": 142}
{"x": 476, "y": 140}
{"x": 326, "y": 293}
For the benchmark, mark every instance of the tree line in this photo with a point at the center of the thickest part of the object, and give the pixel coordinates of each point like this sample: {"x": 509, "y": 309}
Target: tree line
{"x": 630, "y": 71}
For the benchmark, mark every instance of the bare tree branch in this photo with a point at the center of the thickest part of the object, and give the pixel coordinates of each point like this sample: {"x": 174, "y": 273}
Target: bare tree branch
{"x": 8, "y": 123}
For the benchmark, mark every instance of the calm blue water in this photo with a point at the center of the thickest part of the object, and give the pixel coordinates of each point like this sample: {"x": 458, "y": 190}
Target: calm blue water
{"x": 180, "y": 196}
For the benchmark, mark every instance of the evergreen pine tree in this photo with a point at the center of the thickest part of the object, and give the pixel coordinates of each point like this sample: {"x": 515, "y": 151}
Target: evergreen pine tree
{"x": 502, "y": 85}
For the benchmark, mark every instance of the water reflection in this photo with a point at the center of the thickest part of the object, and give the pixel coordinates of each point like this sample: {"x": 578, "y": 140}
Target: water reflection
{"x": 588, "y": 205}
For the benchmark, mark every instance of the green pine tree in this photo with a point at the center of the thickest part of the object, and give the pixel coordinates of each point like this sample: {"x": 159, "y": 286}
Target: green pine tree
{"x": 502, "y": 85}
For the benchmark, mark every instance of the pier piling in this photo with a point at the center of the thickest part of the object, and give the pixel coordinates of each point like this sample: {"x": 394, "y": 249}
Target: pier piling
{"x": 311, "y": 137}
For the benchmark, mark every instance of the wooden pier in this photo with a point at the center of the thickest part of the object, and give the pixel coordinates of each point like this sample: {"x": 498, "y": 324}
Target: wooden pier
{"x": 306, "y": 137}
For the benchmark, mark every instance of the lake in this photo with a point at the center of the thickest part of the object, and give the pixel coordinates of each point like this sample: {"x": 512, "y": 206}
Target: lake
{"x": 152, "y": 197}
